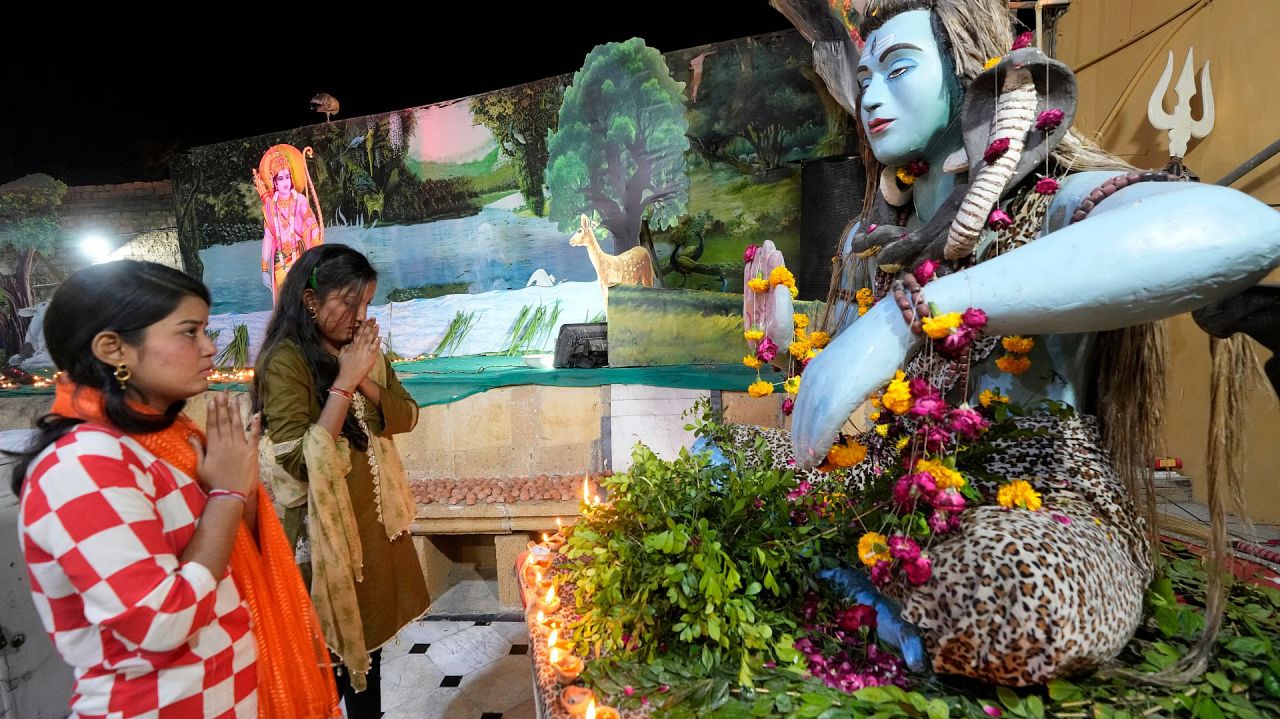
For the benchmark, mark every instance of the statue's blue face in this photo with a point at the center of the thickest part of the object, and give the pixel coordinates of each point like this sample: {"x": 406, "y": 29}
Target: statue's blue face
{"x": 907, "y": 90}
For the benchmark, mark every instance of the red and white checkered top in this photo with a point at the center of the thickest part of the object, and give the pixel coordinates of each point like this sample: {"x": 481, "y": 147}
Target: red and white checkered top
{"x": 103, "y": 523}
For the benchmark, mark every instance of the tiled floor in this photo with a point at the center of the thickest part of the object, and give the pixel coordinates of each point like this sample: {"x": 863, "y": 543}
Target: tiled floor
{"x": 458, "y": 670}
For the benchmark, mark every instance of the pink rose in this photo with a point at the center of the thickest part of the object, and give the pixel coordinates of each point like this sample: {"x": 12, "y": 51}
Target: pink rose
{"x": 995, "y": 150}
{"x": 1047, "y": 186}
{"x": 1049, "y": 120}
{"x": 788, "y": 406}
{"x": 766, "y": 350}
{"x": 954, "y": 344}
{"x": 920, "y": 387}
{"x": 999, "y": 219}
{"x": 628, "y": 691}
{"x": 975, "y": 318}
{"x": 801, "y": 490}
{"x": 882, "y": 573}
{"x": 935, "y": 438}
{"x": 925, "y": 271}
{"x": 919, "y": 571}
{"x": 910, "y": 488}
{"x": 943, "y": 522}
{"x": 967, "y": 423}
{"x": 1024, "y": 40}
{"x": 851, "y": 619}
{"x": 903, "y": 548}
{"x": 749, "y": 254}
{"x": 930, "y": 405}
{"x": 988, "y": 709}
{"x": 948, "y": 500}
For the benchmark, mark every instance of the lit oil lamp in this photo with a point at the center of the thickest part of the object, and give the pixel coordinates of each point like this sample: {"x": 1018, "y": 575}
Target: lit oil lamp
{"x": 553, "y": 542}
{"x": 554, "y": 640}
{"x": 540, "y": 555}
{"x": 567, "y": 667}
{"x": 549, "y": 603}
{"x": 575, "y": 700}
{"x": 601, "y": 712}
{"x": 546, "y": 623}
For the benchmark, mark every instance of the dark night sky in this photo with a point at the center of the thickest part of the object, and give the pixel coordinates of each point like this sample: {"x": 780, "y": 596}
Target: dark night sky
{"x": 106, "y": 105}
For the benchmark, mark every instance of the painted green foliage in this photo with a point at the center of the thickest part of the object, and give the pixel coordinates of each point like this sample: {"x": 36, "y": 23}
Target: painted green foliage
{"x": 619, "y": 150}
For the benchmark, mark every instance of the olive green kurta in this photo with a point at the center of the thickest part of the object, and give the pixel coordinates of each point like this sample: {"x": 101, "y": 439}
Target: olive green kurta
{"x": 393, "y": 591}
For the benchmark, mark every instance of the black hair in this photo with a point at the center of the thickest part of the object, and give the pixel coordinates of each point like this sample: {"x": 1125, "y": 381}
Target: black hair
{"x": 125, "y": 297}
{"x": 324, "y": 270}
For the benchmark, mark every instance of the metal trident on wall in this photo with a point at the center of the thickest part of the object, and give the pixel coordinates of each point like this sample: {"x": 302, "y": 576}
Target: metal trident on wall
{"x": 1179, "y": 123}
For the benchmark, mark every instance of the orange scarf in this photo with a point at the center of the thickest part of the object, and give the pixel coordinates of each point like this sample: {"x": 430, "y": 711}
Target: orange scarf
{"x": 294, "y": 676}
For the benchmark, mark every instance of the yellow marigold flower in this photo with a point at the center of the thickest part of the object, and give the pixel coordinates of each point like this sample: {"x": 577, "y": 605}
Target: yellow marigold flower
{"x": 819, "y": 339}
{"x": 988, "y": 398}
{"x": 874, "y": 416}
{"x": 1018, "y": 493}
{"x": 753, "y": 335}
{"x": 897, "y": 398}
{"x": 1017, "y": 345}
{"x": 792, "y": 385}
{"x": 865, "y": 296}
{"x": 751, "y": 361}
{"x": 781, "y": 276}
{"x": 944, "y": 476}
{"x": 873, "y": 548}
{"x": 905, "y": 177}
{"x": 758, "y": 285}
{"x": 882, "y": 430}
{"x": 875, "y": 400}
{"x": 795, "y": 291}
{"x": 800, "y": 320}
{"x": 801, "y": 334}
{"x": 902, "y": 443}
{"x": 812, "y": 353}
{"x": 940, "y": 326}
{"x": 991, "y": 63}
{"x": 798, "y": 349}
{"x": 760, "y": 388}
{"x": 847, "y": 454}
{"x": 1013, "y": 364}
{"x": 862, "y": 310}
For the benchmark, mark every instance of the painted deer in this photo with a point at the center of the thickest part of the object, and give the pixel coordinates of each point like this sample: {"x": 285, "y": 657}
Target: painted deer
{"x": 633, "y": 267}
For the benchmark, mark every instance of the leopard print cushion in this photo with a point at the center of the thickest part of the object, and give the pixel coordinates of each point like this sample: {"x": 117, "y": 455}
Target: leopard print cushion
{"x": 1020, "y": 597}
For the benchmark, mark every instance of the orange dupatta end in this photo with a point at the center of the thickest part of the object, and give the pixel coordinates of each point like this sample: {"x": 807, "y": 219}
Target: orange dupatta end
{"x": 295, "y": 679}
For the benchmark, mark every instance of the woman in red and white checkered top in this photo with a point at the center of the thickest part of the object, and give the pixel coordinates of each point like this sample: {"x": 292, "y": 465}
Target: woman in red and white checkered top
{"x": 129, "y": 517}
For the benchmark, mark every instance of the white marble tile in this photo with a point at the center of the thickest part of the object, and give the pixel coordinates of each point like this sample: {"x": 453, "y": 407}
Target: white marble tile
{"x": 468, "y": 650}
{"x": 640, "y": 391}
{"x": 527, "y": 710}
{"x": 665, "y": 435}
{"x": 429, "y": 632}
{"x": 514, "y": 632}
{"x": 421, "y": 702}
{"x": 461, "y": 708}
{"x": 649, "y": 407}
{"x": 501, "y": 685}
{"x": 410, "y": 672}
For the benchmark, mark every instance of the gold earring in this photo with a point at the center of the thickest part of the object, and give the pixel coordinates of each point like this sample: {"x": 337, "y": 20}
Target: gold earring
{"x": 122, "y": 375}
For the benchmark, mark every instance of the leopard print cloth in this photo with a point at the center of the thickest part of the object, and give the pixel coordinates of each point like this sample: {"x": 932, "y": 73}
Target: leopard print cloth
{"x": 1020, "y": 597}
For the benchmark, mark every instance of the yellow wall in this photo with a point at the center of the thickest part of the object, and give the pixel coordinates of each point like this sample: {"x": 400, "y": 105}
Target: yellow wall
{"x": 1238, "y": 38}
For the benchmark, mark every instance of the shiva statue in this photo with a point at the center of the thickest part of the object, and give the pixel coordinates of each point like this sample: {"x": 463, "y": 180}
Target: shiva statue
{"x": 976, "y": 176}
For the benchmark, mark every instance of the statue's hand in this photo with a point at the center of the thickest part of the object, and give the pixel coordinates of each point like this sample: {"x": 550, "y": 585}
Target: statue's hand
{"x": 890, "y": 627}
{"x": 857, "y": 362}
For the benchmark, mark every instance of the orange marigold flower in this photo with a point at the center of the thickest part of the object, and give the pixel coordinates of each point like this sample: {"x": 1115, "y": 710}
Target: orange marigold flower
{"x": 1013, "y": 364}
{"x": 1017, "y": 345}
{"x": 781, "y": 276}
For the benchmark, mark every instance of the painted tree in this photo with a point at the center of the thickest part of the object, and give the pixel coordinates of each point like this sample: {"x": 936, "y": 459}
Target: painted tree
{"x": 756, "y": 92}
{"x": 29, "y": 225}
{"x": 520, "y": 119}
{"x": 619, "y": 150}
